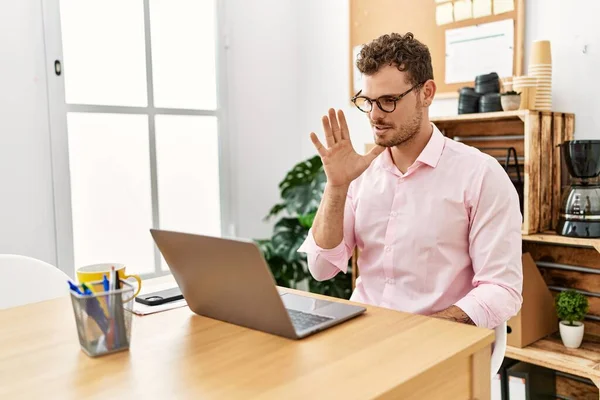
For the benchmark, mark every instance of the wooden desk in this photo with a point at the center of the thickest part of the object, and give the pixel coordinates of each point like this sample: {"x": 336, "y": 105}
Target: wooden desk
{"x": 177, "y": 354}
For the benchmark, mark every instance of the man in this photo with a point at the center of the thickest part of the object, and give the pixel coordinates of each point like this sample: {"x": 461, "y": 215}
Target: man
{"x": 437, "y": 223}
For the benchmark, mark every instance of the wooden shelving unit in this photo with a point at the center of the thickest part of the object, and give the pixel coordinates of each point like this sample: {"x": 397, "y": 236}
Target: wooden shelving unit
{"x": 482, "y": 117}
{"x": 551, "y": 353}
{"x": 553, "y": 238}
{"x": 559, "y": 253}
{"x": 493, "y": 116}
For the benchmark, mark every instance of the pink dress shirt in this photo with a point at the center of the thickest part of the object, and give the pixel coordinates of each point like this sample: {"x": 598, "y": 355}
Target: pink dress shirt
{"x": 448, "y": 232}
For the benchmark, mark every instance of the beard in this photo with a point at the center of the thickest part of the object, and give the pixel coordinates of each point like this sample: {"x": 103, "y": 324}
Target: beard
{"x": 398, "y": 135}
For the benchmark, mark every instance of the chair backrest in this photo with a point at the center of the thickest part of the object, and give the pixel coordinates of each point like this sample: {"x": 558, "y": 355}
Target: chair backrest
{"x": 499, "y": 348}
{"x": 25, "y": 280}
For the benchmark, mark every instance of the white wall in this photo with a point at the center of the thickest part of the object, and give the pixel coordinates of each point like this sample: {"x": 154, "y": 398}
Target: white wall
{"x": 324, "y": 45}
{"x": 263, "y": 66}
{"x": 26, "y": 207}
{"x": 571, "y": 25}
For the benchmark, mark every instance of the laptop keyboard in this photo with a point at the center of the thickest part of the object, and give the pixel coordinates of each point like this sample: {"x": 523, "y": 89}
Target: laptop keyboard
{"x": 302, "y": 320}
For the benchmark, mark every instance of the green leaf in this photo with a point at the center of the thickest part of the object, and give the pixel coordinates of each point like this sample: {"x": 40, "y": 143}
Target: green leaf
{"x": 302, "y": 173}
{"x": 276, "y": 209}
{"x": 279, "y": 268}
{"x": 286, "y": 274}
{"x": 571, "y": 306}
{"x": 288, "y": 235}
{"x": 339, "y": 286}
{"x": 307, "y": 220}
{"x": 303, "y": 187}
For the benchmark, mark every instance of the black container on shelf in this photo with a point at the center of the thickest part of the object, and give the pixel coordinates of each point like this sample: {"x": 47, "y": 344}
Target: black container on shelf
{"x": 487, "y": 83}
{"x": 490, "y": 102}
{"x": 579, "y": 214}
{"x": 468, "y": 101}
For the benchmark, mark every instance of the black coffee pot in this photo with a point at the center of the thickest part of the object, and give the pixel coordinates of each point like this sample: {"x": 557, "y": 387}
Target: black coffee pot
{"x": 579, "y": 215}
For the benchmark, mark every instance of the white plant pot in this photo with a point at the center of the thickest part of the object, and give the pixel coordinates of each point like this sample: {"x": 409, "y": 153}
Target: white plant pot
{"x": 571, "y": 335}
{"x": 510, "y": 102}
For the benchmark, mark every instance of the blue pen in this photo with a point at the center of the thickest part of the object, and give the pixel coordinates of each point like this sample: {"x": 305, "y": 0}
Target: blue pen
{"x": 94, "y": 310}
{"x": 86, "y": 290}
{"x": 74, "y": 287}
{"x": 105, "y": 283}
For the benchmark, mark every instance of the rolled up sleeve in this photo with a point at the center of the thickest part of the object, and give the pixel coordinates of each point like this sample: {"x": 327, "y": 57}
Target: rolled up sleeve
{"x": 495, "y": 249}
{"x": 324, "y": 264}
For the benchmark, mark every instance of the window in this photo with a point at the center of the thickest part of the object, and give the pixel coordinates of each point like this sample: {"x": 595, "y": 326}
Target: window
{"x": 136, "y": 134}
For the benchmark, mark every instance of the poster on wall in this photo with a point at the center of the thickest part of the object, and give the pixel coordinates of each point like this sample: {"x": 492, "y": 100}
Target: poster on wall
{"x": 479, "y": 49}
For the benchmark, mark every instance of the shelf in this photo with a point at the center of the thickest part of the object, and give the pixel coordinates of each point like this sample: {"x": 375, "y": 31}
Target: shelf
{"x": 553, "y": 238}
{"x": 551, "y": 353}
{"x": 482, "y": 117}
{"x": 492, "y": 116}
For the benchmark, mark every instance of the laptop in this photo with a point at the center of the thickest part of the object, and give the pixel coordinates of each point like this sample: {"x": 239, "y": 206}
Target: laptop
{"x": 229, "y": 280}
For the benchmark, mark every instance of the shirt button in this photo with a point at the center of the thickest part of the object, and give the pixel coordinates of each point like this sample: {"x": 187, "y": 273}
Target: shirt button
{"x": 393, "y": 213}
{"x": 388, "y": 248}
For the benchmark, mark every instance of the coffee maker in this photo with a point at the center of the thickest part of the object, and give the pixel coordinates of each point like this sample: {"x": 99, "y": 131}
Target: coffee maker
{"x": 580, "y": 202}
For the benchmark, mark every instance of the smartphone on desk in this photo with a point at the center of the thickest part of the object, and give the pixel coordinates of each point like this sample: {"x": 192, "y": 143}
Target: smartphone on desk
{"x": 160, "y": 297}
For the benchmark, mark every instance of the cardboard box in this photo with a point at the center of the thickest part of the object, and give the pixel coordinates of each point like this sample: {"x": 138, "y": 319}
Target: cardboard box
{"x": 537, "y": 318}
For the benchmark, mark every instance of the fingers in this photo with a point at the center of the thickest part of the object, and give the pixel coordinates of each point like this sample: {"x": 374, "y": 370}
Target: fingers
{"x": 335, "y": 127}
{"x": 345, "y": 132}
{"x": 318, "y": 145}
{"x": 373, "y": 153}
{"x": 329, "y": 138}
{"x": 335, "y": 131}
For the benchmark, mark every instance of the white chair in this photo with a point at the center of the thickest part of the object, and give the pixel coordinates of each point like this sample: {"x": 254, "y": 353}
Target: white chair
{"x": 498, "y": 349}
{"x": 25, "y": 280}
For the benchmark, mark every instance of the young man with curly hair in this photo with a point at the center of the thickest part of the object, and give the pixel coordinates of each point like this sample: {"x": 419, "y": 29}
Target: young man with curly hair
{"x": 437, "y": 223}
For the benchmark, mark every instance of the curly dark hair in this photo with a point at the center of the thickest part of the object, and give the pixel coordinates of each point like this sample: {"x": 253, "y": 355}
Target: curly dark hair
{"x": 403, "y": 51}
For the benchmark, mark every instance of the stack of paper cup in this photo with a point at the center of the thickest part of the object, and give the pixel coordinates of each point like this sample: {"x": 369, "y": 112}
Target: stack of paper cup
{"x": 527, "y": 86}
{"x": 540, "y": 67}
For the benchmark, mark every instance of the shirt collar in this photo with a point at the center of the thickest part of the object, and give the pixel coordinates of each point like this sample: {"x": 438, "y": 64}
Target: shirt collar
{"x": 433, "y": 150}
{"x": 430, "y": 154}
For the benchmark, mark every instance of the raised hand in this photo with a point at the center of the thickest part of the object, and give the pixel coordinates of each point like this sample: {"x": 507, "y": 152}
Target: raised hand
{"x": 342, "y": 164}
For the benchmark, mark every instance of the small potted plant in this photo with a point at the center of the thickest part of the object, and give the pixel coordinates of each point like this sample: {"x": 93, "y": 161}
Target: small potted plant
{"x": 571, "y": 308}
{"x": 510, "y": 100}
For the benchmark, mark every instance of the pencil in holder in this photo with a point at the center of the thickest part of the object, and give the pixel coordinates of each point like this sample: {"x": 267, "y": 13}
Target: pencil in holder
{"x": 103, "y": 323}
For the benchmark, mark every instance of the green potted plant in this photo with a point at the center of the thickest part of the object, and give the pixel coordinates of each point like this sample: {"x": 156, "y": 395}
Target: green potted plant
{"x": 571, "y": 308}
{"x": 510, "y": 100}
{"x": 301, "y": 191}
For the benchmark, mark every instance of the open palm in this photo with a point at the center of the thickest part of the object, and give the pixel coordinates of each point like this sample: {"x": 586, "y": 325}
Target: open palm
{"x": 341, "y": 162}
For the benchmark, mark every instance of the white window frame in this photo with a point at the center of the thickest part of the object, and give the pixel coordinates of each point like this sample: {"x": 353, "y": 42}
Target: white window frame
{"x": 58, "y": 109}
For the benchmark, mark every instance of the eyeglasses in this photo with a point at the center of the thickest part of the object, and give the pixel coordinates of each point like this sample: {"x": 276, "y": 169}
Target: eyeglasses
{"x": 386, "y": 103}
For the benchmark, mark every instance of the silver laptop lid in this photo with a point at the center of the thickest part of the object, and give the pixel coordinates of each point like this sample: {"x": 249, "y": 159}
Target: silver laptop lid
{"x": 225, "y": 279}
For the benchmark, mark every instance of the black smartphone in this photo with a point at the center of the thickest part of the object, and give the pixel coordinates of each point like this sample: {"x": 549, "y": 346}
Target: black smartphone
{"x": 160, "y": 297}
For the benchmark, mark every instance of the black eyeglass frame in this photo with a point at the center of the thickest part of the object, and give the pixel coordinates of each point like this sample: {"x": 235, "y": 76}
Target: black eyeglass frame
{"x": 395, "y": 99}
